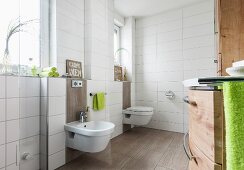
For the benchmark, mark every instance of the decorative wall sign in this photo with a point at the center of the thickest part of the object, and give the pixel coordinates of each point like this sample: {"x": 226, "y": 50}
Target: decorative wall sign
{"x": 73, "y": 68}
{"x": 118, "y": 73}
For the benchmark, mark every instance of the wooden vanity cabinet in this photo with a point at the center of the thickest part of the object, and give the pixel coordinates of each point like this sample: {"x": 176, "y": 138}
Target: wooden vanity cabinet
{"x": 229, "y": 31}
{"x": 206, "y": 130}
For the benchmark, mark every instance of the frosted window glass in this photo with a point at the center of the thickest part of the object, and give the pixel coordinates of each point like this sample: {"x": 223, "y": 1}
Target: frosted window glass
{"x": 9, "y": 12}
{"x": 24, "y": 45}
{"x": 30, "y": 39}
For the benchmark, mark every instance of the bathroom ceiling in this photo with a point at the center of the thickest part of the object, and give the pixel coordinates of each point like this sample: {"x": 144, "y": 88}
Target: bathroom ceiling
{"x": 141, "y": 8}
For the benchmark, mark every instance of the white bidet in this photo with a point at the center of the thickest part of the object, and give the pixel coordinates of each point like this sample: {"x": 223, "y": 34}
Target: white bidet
{"x": 92, "y": 136}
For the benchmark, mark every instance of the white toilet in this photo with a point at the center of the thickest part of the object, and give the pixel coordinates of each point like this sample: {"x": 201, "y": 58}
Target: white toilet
{"x": 137, "y": 115}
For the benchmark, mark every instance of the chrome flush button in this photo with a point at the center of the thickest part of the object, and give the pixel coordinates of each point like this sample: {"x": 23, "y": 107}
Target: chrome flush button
{"x": 76, "y": 83}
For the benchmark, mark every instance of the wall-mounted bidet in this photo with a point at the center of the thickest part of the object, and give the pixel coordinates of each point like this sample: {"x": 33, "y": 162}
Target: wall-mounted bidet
{"x": 91, "y": 136}
{"x": 137, "y": 115}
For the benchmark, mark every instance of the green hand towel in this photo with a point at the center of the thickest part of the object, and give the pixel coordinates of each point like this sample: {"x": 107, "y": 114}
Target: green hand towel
{"x": 49, "y": 74}
{"x": 234, "y": 121}
{"x": 49, "y": 69}
{"x": 44, "y": 74}
{"x": 56, "y": 74}
{"x": 99, "y": 101}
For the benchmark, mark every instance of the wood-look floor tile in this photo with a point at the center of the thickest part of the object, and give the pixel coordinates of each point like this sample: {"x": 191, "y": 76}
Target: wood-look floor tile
{"x": 174, "y": 158}
{"x": 160, "y": 143}
{"x": 137, "y": 149}
{"x": 149, "y": 155}
{"x": 177, "y": 140}
{"x": 139, "y": 164}
{"x": 161, "y": 168}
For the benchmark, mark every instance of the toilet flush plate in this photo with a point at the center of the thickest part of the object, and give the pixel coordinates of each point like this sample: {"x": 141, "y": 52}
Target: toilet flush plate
{"x": 76, "y": 83}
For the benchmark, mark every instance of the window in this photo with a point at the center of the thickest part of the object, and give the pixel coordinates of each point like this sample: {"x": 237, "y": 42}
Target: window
{"x": 30, "y": 38}
{"x": 116, "y": 45}
{"x": 23, "y": 46}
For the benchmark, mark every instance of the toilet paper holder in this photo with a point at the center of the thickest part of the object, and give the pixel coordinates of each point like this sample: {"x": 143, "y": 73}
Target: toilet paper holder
{"x": 26, "y": 156}
{"x": 170, "y": 95}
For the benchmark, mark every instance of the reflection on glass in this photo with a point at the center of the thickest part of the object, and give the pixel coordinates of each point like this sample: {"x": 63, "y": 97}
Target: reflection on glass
{"x": 9, "y": 12}
{"x": 30, "y": 38}
{"x": 19, "y": 35}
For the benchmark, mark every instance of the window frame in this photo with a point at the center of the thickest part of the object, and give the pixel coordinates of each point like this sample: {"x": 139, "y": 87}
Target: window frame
{"x": 45, "y": 33}
{"x": 117, "y": 29}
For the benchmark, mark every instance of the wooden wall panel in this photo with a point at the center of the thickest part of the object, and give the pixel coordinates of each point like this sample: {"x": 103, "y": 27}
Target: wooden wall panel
{"x": 231, "y": 32}
{"x": 126, "y": 100}
{"x": 126, "y": 94}
{"x": 76, "y": 102}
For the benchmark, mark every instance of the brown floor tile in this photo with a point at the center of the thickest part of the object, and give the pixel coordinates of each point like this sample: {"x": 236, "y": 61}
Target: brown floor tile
{"x": 139, "y": 164}
{"x": 161, "y": 168}
{"x": 177, "y": 140}
{"x": 136, "y": 149}
{"x": 175, "y": 159}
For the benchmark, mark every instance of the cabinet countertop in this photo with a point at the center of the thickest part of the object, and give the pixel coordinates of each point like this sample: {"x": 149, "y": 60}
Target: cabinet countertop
{"x": 210, "y": 81}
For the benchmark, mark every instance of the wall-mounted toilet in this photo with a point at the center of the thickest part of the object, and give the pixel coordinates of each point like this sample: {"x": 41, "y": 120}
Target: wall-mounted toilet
{"x": 137, "y": 115}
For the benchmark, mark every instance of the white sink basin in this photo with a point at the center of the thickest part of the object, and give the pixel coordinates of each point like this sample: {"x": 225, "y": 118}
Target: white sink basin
{"x": 91, "y": 136}
{"x": 92, "y": 128}
{"x": 235, "y": 71}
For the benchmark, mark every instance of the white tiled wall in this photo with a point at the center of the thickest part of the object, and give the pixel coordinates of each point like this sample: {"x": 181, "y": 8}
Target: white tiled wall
{"x": 128, "y": 58}
{"x": 53, "y": 113}
{"x": 19, "y": 121}
{"x": 99, "y": 61}
{"x": 171, "y": 47}
{"x": 29, "y": 122}
{"x": 113, "y": 109}
{"x": 67, "y": 32}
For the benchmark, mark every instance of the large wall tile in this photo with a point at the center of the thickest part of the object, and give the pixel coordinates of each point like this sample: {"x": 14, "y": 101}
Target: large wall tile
{"x": 200, "y": 19}
{"x": 56, "y": 160}
{"x": 44, "y": 106}
{"x": 97, "y": 115}
{"x": 198, "y": 8}
{"x": 57, "y": 105}
{"x": 12, "y": 110}
{"x": 32, "y": 164}
{"x": 29, "y": 87}
{"x": 169, "y": 26}
{"x": 2, "y": 156}
{"x": 114, "y": 110}
{"x": 56, "y": 87}
{"x": 11, "y": 151}
{"x": 12, "y": 86}
{"x": 2, "y": 133}
{"x": 113, "y": 87}
{"x": 56, "y": 124}
{"x": 56, "y": 143}
{"x": 29, "y": 127}
{"x": 197, "y": 42}
{"x": 2, "y": 87}
{"x": 199, "y": 53}
{"x": 2, "y": 110}
{"x": 29, "y": 107}
{"x": 114, "y": 98}
{"x": 200, "y": 30}
{"x": 171, "y": 47}
{"x": 12, "y": 130}
{"x": 12, "y": 167}
{"x": 30, "y": 145}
